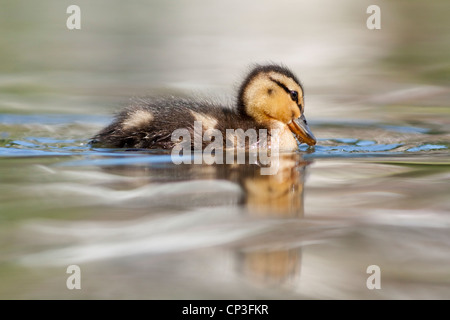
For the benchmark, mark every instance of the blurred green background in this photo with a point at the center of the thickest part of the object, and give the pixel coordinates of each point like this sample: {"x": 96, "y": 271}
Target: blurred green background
{"x": 138, "y": 47}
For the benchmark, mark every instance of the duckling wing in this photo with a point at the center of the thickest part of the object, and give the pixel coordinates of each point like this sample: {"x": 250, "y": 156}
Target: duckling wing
{"x": 150, "y": 123}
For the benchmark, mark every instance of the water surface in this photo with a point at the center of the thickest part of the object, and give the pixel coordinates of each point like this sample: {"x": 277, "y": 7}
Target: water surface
{"x": 140, "y": 226}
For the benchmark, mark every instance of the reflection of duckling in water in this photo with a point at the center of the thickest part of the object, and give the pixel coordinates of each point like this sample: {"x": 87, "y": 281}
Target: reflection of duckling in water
{"x": 270, "y": 97}
{"x": 280, "y": 195}
{"x": 271, "y": 258}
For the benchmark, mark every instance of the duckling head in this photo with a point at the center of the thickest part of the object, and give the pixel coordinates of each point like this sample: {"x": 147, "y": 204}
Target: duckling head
{"x": 273, "y": 96}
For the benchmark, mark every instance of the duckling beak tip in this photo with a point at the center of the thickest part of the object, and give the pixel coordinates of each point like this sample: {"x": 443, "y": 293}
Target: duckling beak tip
{"x": 301, "y": 130}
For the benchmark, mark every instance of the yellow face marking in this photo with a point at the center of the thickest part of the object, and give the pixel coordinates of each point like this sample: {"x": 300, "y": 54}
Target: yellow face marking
{"x": 288, "y": 82}
{"x": 137, "y": 120}
{"x": 267, "y": 101}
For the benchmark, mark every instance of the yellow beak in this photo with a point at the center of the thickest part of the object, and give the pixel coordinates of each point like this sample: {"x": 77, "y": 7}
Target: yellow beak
{"x": 300, "y": 128}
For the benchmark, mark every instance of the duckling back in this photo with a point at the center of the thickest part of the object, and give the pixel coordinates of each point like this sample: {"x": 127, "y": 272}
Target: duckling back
{"x": 149, "y": 124}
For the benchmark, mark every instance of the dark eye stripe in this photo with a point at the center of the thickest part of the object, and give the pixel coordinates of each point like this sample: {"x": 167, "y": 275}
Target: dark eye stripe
{"x": 280, "y": 84}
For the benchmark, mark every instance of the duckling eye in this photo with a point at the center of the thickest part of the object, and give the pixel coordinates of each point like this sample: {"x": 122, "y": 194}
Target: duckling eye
{"x": 294, "y": 96}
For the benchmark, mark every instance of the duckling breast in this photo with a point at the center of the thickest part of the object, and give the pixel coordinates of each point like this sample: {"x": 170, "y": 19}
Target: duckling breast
{"x": 287, "y": 141}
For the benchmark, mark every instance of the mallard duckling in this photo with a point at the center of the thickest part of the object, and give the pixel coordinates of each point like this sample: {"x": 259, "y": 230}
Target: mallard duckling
{"x": 270, "y": 97}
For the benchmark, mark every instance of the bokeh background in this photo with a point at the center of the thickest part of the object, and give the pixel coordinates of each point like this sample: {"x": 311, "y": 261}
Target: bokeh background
{"x": 133, "y": 48}
{"x": 373, "y": 191}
